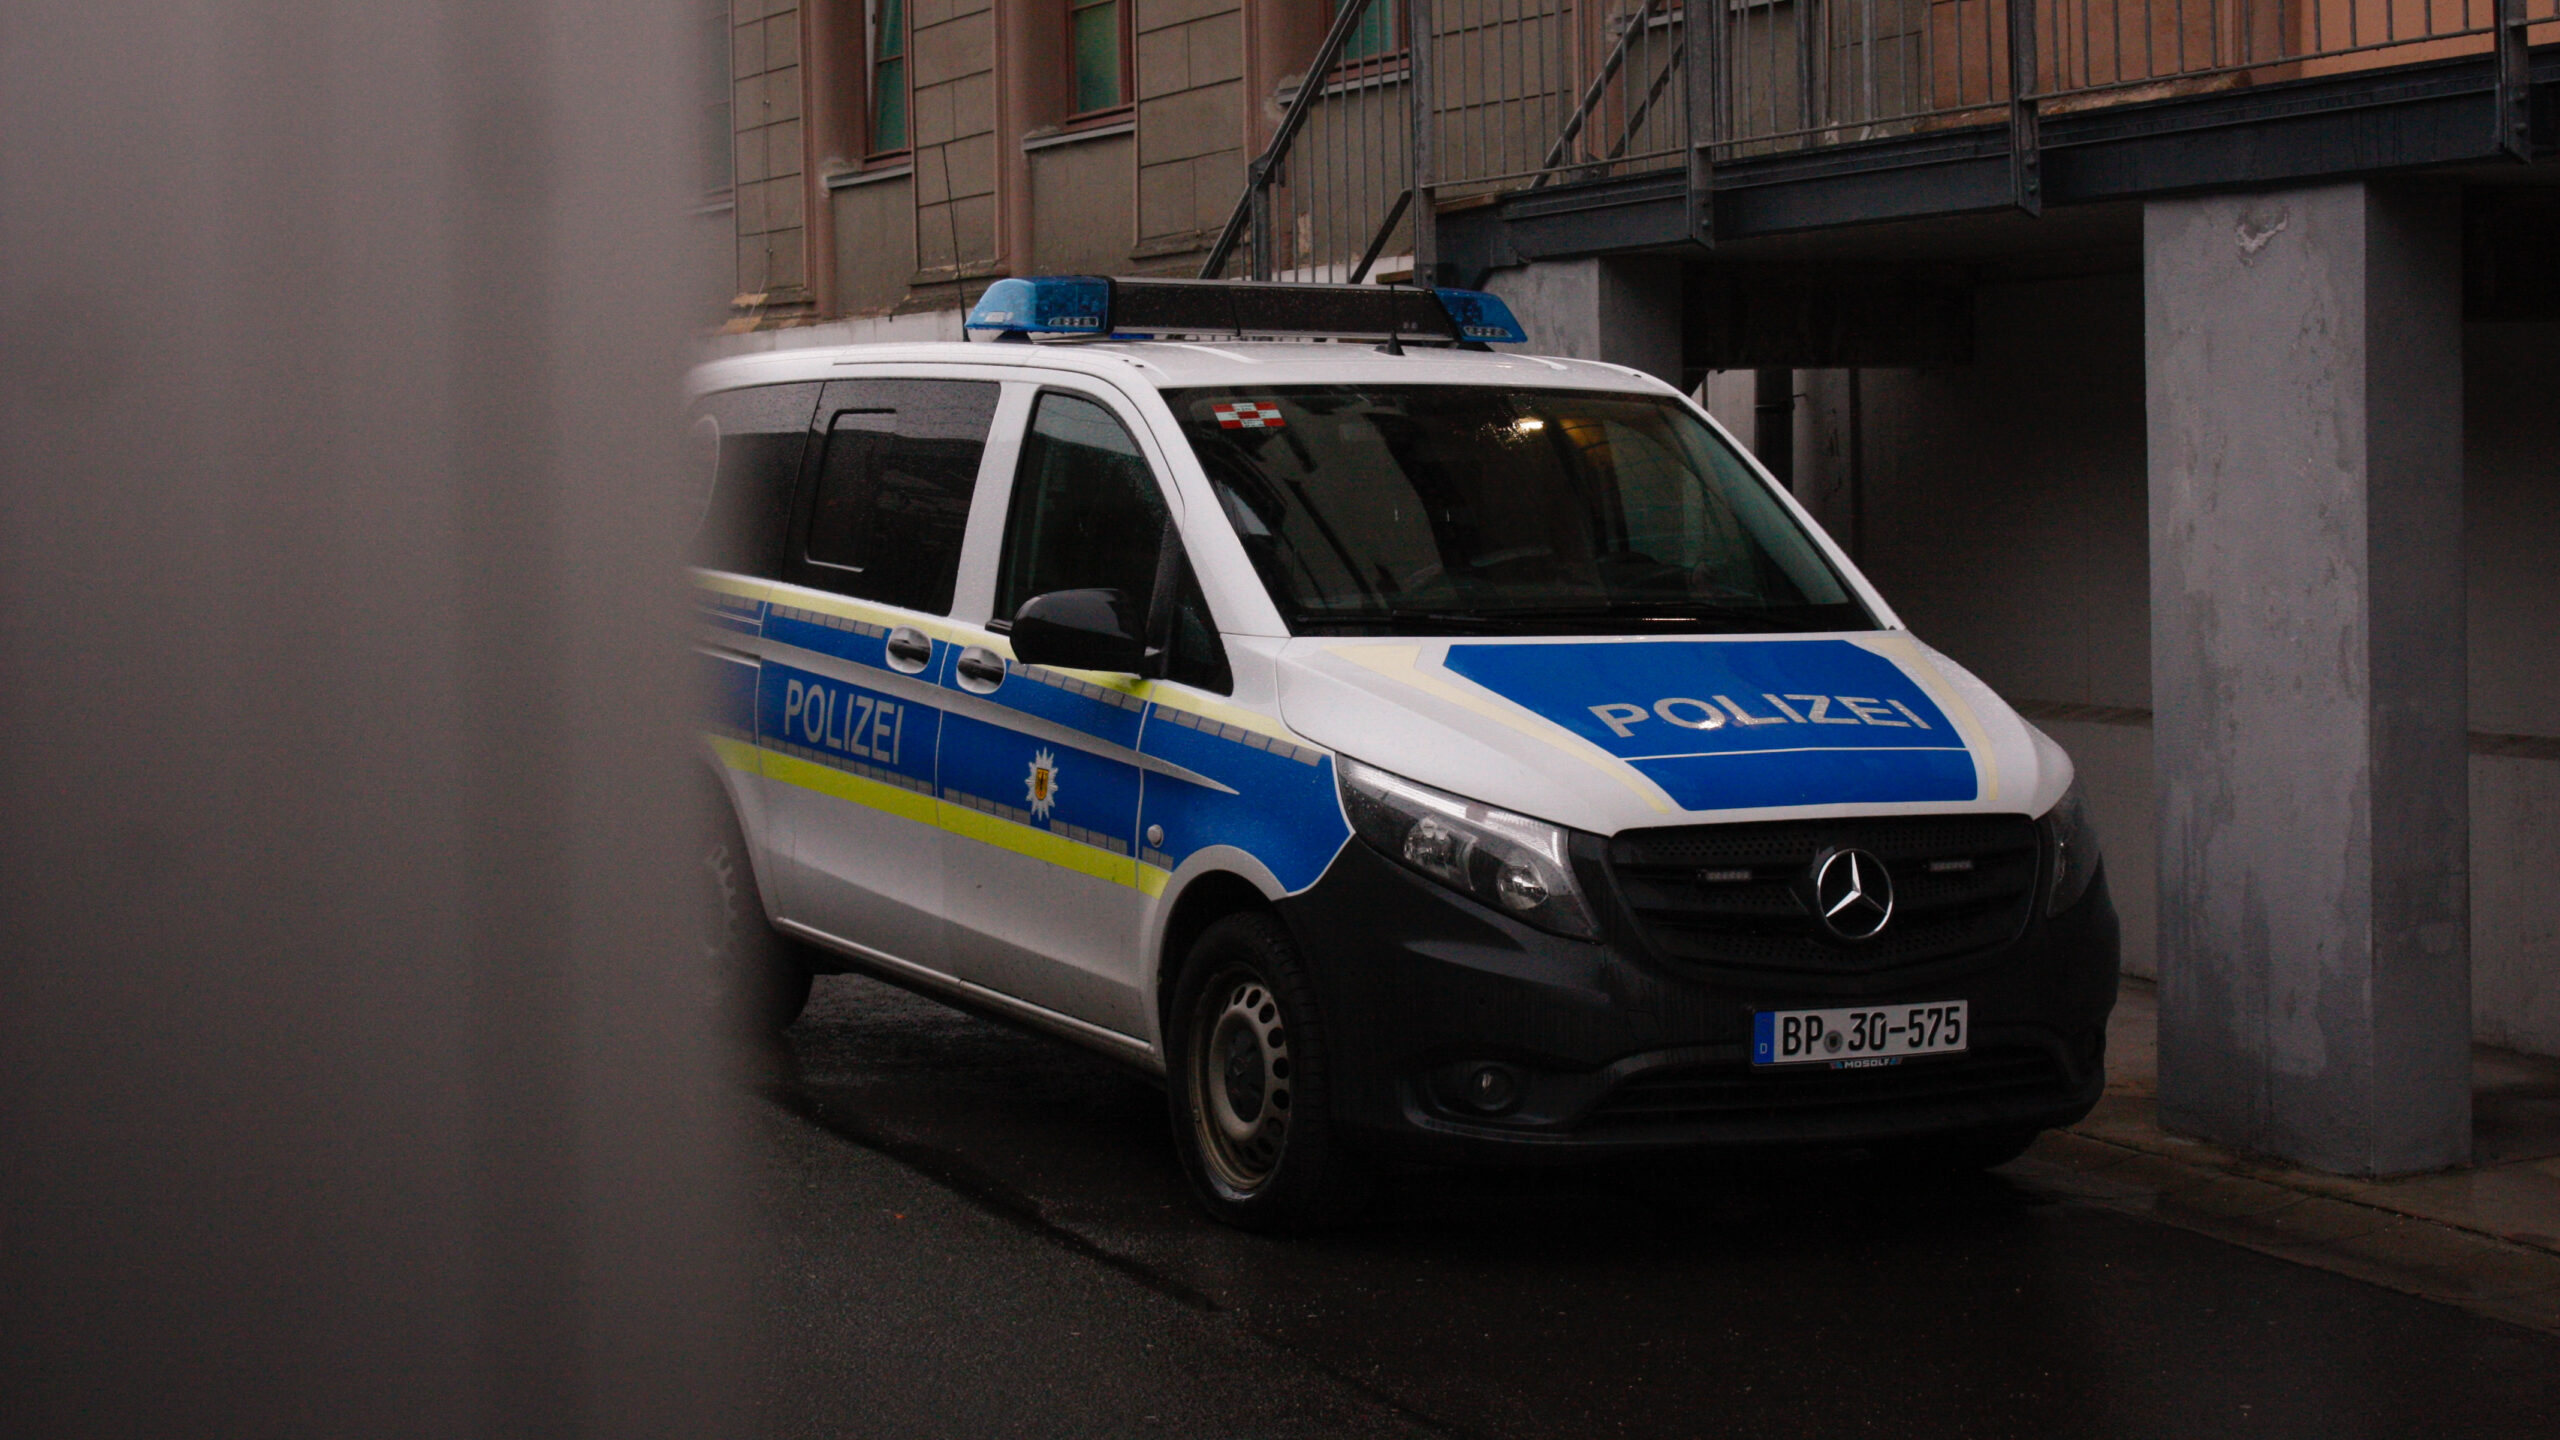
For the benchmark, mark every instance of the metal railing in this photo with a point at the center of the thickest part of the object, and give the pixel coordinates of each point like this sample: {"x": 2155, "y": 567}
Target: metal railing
{"x": 1410, "y": 108}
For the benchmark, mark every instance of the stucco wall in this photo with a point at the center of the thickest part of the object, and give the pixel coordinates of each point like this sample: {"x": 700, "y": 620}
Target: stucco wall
{"x": 953, "y": 51}
{"x": 1080, "y": 199}
{"x": 764, "y": 58}
{"x": 1190, "y": 121}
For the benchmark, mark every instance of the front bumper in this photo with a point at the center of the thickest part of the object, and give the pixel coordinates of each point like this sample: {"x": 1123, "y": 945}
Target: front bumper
{"x": 1615, "y": 1049}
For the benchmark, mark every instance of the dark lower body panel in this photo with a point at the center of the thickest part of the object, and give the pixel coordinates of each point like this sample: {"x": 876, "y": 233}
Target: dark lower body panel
{"x": 1608, "y": 1049}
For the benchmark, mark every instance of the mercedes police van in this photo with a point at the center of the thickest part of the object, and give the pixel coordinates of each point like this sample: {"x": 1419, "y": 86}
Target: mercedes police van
{"x": 1408, "y": 749}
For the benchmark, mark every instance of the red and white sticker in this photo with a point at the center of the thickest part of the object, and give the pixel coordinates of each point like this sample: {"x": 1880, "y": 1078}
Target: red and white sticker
{"x": 1247, "y": 415}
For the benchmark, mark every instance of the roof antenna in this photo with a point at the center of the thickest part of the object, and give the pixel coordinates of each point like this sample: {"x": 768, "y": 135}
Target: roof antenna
{"x": 1393, "y": 346}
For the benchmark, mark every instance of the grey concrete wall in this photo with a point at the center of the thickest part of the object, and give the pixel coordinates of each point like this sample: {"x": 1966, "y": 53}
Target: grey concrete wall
{"x": 358, "y": 1080}
{"x": 1622, "y": 310}
{"x": 2304, "y": 403}
{"x": 2512, "y": 493}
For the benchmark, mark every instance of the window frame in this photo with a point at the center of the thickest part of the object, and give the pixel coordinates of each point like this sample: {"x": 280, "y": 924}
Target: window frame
{"x": 1394, "y": 58}
{"x": 1015, "y": 492}
{"x": 1000, "y": 507}
{"x": 1126, "y": 24}
{"x": 835, "y": 578}
{"x": 874, "y": 152}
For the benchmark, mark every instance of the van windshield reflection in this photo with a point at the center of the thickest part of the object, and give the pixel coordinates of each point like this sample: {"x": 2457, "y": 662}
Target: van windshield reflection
{"x": 1464, "y": 510}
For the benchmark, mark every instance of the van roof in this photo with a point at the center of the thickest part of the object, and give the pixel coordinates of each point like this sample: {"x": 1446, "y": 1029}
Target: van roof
{"x": 1177, "y": 364}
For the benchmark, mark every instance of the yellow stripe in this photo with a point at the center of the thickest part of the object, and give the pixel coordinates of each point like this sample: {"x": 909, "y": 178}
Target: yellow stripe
{"x": 843, "y": 785}
{"x": 738, "y": 755}
{"x": 959, "y": 820}
{"x": 1039, "y": 844}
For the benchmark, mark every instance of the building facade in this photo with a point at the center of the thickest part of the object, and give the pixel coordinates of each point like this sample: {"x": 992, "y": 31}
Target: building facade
{"x": 2180, "y": 368}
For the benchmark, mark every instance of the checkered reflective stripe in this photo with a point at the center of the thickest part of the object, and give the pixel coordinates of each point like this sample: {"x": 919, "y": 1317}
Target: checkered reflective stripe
{"x": 1247, "y": 415}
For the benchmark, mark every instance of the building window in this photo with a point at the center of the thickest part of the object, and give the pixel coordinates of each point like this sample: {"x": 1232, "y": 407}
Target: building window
{"x": 719, "y": 159}
{"x": 1378, "y": 33}
{"x": 1098, "y": 47}
{"x": 888, "y": 75}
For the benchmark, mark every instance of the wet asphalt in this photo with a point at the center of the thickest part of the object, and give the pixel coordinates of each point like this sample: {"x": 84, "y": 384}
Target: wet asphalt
{"x": 975, "y": 1232}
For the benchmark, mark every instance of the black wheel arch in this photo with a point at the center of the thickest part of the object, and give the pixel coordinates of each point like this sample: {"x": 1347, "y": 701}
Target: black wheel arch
{"x": 1209, "y": 898}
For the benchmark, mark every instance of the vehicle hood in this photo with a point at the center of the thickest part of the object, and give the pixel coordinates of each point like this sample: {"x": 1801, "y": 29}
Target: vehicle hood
{"x": 1615, "y": 733}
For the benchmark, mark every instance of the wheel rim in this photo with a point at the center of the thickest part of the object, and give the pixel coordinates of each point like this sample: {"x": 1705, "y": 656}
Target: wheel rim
{"x": 1240, "y": 1081}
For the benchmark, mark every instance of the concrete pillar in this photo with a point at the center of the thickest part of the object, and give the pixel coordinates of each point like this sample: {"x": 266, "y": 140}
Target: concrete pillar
{"x": 2308, "y": 667}
{"x": 1623, "y": 309}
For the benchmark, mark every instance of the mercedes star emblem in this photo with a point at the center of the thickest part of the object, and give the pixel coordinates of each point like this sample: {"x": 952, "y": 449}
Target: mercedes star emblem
{"x": 1853, "y": 894}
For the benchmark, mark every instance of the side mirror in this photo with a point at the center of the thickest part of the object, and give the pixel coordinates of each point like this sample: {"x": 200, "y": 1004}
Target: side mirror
{"x": 1080, "y": 630}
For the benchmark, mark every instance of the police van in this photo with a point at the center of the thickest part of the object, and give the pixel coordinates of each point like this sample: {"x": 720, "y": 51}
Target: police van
{"x": 1410, "y": 750}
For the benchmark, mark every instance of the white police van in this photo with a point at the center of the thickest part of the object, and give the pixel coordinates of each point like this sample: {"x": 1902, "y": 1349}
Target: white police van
{"x": 1408, "y": 750}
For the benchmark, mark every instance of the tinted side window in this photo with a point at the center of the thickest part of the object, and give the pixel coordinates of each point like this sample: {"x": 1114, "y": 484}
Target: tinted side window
{"x": 741, "y": 468}
{"x": 1086, "y": 512}
{"x": 1087, "y": 516}
{"x": 889, "y": 502}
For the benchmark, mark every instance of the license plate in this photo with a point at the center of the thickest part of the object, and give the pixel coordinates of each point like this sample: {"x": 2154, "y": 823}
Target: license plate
{"x": 1859, "y": 1038}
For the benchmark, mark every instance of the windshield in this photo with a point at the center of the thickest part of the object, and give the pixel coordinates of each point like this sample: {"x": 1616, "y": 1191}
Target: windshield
{"x": 1462, "y": 510}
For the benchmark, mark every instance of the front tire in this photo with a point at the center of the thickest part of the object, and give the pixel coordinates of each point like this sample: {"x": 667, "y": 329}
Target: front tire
{"x": 757, "y": 981}
{"x": 1248, "y": 1083}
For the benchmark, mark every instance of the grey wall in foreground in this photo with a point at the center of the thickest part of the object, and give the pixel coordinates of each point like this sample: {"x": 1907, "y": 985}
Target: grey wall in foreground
{"x": 2308, "y": 663}
{"x": 349, "y": 1087}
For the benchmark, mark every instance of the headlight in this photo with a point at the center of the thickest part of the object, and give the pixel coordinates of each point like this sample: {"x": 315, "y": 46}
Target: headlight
{"x": 1517, "y": 865}
{"x": 2073, "y": 843}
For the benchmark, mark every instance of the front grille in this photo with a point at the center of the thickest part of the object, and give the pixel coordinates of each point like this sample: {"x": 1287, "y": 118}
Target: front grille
{"x": 1705, "y": 1094}
{"x": 1738, "y": 899}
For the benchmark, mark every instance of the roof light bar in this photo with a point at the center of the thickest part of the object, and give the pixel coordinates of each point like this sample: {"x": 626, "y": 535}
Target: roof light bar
{"x": 1092, "y": 306}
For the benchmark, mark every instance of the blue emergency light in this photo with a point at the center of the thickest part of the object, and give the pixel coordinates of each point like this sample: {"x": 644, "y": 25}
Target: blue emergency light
{"x": 1092, "y": 306}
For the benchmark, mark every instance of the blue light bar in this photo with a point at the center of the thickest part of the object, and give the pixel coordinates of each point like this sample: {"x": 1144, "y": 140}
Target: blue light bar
{"x": 1091, "y": 307}
{"x": 1482, "y": 318}
{"x": 1047, "y": 305}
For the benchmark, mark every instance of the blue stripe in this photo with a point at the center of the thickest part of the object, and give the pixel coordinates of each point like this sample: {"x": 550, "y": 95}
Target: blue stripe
{"x": 1741, "y": 725}
{"x": 1286, "y": 813}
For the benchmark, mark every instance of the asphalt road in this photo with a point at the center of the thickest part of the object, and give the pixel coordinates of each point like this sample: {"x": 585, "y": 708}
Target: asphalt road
{"x": 974, "y": 1232}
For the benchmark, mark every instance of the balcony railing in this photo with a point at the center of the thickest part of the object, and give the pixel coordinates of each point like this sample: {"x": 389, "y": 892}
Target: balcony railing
{"x": 1410, "y": 108}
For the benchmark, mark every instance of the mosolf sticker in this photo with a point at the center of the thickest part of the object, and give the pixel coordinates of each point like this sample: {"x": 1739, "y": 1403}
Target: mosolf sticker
{"x": 1247, "y": 415}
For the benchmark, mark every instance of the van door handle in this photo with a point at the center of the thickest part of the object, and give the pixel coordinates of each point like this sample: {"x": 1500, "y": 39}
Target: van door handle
{"x": 981, "y": 670}
{"x": 909, "y": 651}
